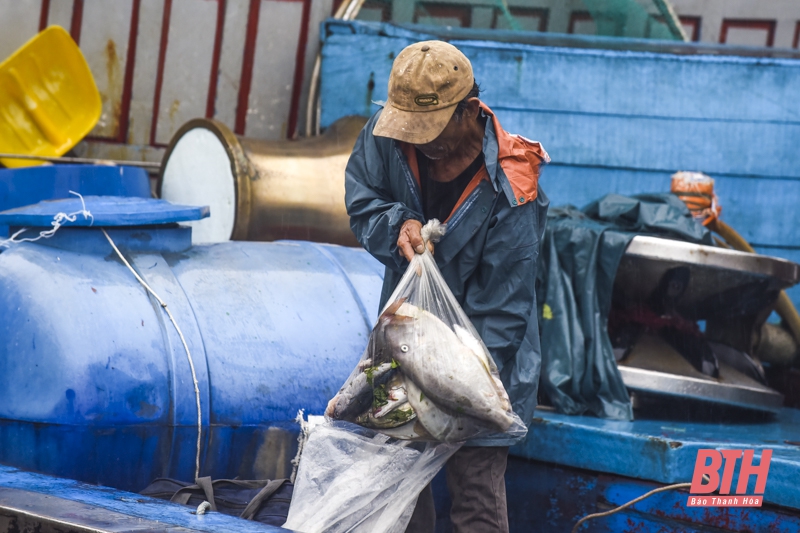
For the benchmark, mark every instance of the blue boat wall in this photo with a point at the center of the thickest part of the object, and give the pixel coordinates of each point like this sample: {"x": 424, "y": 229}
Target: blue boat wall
{"x": 617, "y": 121}
{"x": 95, "y": 384}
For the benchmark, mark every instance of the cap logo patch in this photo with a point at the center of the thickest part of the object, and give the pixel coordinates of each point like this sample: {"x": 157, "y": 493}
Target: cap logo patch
{"x": 426, "y": 100}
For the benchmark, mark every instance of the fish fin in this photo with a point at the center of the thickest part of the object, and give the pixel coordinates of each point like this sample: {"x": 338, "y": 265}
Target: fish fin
{"x": 473, "y": 344}
{"x": 410, "y": 311}
{"x": 393, "y": 307}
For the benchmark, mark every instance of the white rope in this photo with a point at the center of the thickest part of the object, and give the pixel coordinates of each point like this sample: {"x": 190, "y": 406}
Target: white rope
{"x": 183, "y": 340}
{"x": 676, "y": 486}
{"x": 57, "y": 222}
{"x": 301, "y": 441}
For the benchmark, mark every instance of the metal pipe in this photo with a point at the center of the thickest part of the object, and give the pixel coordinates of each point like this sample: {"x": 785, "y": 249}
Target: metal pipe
{"x": 262, "y": 190}
{"x": 784, "y": 306}
{"x": 672, "y": 20}
{"x": 312, "y": 95}
{"x": 353, "y": 9}
{"x": 347, "y": 11}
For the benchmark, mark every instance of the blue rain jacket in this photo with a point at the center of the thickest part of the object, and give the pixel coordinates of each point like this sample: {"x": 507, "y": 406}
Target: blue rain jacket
{"x": 489, "y": 254}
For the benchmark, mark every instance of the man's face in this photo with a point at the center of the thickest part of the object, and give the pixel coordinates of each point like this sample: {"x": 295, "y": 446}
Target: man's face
{"x": 449, "y": 142}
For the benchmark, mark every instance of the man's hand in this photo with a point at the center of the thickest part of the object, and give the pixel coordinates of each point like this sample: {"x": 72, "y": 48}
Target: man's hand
{"x": 410, "y": 239}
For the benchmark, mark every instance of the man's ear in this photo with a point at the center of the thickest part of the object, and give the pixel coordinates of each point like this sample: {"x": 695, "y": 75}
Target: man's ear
{"x": 473, "y": 107}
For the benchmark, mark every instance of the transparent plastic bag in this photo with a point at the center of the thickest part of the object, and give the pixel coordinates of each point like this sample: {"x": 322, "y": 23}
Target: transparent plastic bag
{"x": 425, "y": 384}
{"x": 352, "y": 479}
{"x": 426, "y": 375}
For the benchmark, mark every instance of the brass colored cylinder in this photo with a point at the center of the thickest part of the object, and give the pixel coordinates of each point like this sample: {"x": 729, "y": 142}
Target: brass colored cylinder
{"x": 776, "y": 345}
{"x": 784, "y": 306}
{"x": 262, "y": 190}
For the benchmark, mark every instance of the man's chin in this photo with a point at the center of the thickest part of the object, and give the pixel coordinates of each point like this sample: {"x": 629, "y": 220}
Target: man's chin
{"x": 435, "y": 157}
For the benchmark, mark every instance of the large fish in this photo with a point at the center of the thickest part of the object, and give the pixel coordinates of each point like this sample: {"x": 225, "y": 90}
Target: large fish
{"x": 451, "y": 374}
{"x": 442, "y": 426}
{"x": 410, "y": 431}
{"x": 358, "y": 393}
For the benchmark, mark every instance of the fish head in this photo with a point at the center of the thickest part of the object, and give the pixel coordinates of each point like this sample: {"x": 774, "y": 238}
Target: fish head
{"x": 399, "y": 334}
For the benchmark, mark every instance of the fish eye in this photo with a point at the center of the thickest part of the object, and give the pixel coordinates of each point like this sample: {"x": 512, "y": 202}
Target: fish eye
{"x": 404, "y": 348}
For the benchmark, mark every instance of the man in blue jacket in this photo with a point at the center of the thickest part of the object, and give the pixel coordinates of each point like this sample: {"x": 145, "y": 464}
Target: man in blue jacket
{"x": 436, "y": 151}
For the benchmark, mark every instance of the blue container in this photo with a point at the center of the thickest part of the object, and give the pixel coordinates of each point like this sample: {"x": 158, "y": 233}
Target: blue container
{"x": 29, "y": 185}
{"x": 95, "y": 384}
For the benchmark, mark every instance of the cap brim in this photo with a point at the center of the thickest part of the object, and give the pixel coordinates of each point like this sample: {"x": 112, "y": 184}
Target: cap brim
{"x": 413, "y": 127}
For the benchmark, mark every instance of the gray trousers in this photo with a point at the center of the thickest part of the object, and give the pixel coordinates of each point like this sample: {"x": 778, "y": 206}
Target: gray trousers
{"x": 476, "y": 481}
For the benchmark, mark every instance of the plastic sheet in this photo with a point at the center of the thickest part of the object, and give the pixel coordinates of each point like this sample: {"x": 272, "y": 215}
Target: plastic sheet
{"x": 356, "y": 480}
{"x": 580, "y": 255}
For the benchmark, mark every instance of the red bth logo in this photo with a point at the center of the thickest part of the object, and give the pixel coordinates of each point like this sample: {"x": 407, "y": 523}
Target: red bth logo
{"x": 708, "y": 463}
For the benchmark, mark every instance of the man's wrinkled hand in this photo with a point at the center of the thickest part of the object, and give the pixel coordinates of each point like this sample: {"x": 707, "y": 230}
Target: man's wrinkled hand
{"x": 410, "y": 239}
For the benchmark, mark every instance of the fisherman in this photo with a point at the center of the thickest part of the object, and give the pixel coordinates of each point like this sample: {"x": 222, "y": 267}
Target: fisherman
{"x": 436, "y": 151}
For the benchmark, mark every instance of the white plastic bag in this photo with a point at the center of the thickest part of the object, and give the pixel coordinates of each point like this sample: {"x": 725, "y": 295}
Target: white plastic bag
{"x": 425, "y": 374}
{"x": 353, "y": 479}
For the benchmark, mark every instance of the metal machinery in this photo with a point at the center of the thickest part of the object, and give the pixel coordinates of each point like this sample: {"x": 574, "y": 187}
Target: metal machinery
{"x": 731, "y": 292}
{"x": 261, "y": 190}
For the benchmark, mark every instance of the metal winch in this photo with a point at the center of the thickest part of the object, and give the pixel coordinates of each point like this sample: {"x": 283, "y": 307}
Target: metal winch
{"x": 688, "y": 321}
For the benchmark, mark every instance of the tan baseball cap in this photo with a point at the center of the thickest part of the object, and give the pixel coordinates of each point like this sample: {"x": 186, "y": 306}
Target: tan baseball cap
{"x": 428, "y": 80}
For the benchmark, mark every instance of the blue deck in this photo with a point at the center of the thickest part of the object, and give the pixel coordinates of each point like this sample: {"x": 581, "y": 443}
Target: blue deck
{"x": 106, "y": 509}
{"x": 665, "y": 450}
{"x": 547, "y": 498}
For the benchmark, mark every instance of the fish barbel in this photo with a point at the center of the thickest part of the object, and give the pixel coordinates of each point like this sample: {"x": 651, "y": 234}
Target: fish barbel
{"x": 447, "y": 371}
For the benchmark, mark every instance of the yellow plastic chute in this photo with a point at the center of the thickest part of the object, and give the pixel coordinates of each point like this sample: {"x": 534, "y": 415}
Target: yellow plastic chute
{"x": 48, "y": 98}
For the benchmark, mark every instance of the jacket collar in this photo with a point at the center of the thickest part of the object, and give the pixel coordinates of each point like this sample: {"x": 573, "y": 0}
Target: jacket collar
{"x": 519, "y": 159}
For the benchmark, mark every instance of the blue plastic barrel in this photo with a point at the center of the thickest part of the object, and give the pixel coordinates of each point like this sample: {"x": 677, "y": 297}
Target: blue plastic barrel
{"x": 29, "y": 185}
{"x": 94, "y": 380}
